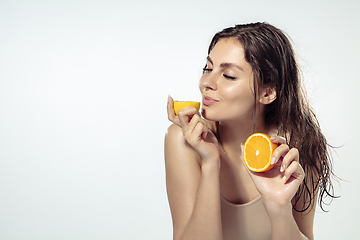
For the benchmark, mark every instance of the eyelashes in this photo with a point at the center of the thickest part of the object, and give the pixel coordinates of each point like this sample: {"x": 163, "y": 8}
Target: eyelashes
{"x": 207, "y": 70}
{"x": 229, "y": 77}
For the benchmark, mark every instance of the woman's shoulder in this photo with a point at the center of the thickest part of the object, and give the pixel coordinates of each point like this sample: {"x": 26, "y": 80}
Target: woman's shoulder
{"x": 173, "y": 130}
{"x": 174, "y": 138}
{"x": 176, "y": 145}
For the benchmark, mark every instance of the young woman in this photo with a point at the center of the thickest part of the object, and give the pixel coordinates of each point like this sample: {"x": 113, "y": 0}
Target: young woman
{"x": 250, "y": 84}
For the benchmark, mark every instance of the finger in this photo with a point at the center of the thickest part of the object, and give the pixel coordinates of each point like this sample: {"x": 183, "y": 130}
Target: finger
{"x": 279, "y": 152}
{"x": 190, "y": 125}
{"x": 294, "y": 170}
{"x": 278, "y": 139}
{"x": 185, "y": 115}
{"x": 194, "y": 135}
{"x": 205, "y": 127}
{"x": 291, "y": 155}
{"x": 170, "y": 111}
{"x": 189, "y": 128}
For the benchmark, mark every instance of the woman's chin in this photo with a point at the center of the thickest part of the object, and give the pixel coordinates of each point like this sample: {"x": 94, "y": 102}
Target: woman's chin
{"x": 209, "y": 116}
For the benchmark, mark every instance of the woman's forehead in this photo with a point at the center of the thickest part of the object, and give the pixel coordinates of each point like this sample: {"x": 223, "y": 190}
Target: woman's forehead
{"x": 228, "y": 51}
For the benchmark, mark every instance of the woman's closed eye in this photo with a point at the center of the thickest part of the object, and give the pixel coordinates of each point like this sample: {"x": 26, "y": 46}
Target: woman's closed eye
{"x": 229, "y": 77}
{"x": 206, "y": 69}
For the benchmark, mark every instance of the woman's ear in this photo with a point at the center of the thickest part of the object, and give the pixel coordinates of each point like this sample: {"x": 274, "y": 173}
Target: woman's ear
{"x": 267, "y": 95}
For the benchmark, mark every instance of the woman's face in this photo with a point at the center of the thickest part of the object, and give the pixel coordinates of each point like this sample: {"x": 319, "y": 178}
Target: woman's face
{"x": 227, "y": 84}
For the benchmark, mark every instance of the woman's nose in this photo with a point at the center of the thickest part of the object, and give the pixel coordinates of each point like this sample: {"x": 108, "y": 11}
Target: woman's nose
{"x": 208, "y": 82}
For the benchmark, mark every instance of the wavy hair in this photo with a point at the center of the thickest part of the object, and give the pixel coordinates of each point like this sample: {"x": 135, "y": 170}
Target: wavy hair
{"x": 269, "y": 52}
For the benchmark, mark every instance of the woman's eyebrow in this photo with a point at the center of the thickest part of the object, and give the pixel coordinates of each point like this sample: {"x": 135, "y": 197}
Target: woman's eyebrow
{"x": 226, "y": 65}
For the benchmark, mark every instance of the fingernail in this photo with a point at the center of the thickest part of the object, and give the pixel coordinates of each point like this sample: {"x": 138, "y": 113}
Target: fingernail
{"x": 284, "y": 178}
{"x": 282, "y": 168}
{"x": 169, "y": 98}
{"x": 283, "y": 138}
{"x": 273, "y": 160}
{"x": 272, "y": 138}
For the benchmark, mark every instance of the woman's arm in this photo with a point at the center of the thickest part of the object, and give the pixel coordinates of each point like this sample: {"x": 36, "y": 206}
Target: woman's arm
{"x": 287, "y": 223}
{"x": 193, "y": 189}
{"x": 305, "y": 220}
{"x": 278, "y": 186}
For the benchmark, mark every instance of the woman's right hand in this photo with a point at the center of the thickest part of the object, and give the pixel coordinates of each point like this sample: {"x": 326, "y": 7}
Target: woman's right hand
{"x": 195, "y": 131}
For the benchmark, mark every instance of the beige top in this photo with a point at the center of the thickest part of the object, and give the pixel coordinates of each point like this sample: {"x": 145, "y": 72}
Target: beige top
{"x": 245, "y": 221}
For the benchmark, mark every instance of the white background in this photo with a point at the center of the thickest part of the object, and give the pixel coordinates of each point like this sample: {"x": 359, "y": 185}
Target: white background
{"x": 83, "y": 91}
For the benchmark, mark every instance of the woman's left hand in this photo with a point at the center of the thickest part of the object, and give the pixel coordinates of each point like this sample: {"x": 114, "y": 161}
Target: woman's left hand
{"x": 279, "y": 184}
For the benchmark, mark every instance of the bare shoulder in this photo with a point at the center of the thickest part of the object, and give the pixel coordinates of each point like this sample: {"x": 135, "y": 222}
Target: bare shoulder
{"x": 177, "y": 147}
{"x": 173, "y": 131}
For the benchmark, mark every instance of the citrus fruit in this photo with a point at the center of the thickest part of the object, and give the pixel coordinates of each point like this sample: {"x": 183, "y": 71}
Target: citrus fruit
{"x": 257, "y": 152}
{"x": 183, "y": 104}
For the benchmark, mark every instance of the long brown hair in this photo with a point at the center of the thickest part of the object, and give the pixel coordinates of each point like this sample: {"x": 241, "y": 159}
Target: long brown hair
{"x": 271, "y": 56}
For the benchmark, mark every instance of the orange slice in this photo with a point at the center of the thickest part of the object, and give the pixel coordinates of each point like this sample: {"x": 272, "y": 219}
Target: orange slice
{"x": 258, "y": 151}
{"x": 183, "y": 104}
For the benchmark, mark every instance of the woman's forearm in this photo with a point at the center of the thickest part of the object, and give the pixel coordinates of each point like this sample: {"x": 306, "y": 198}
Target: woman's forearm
{"x": 205, "y": 220}
{"x": 283, "y": 224}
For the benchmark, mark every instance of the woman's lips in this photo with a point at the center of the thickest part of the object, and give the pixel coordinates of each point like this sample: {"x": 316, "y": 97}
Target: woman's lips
{"x": 208, "y": 101}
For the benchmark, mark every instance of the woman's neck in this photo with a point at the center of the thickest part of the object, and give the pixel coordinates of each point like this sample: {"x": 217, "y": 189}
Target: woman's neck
{"x": 232, "y": 135}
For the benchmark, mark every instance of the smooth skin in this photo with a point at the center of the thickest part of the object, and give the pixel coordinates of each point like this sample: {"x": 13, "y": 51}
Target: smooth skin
{"x": 203, "y": 161}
